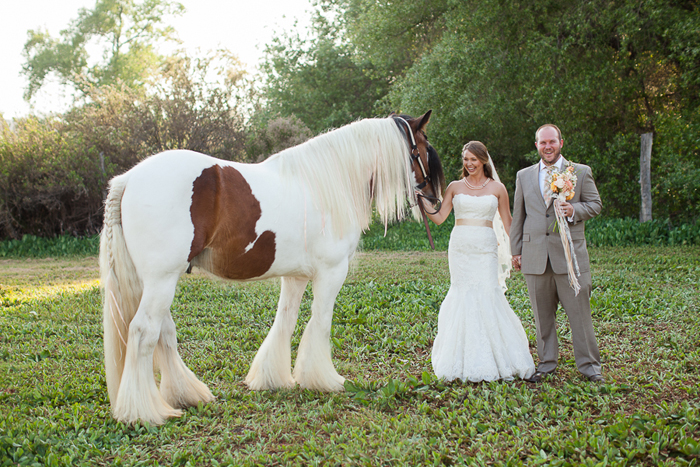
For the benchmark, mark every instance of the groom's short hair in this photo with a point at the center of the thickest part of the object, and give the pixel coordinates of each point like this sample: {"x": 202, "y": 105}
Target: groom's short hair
{"x": 551, "y": 125}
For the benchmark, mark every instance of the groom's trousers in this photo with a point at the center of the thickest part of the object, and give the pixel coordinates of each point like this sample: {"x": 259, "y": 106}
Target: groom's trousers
{"x": 546, "y": 292}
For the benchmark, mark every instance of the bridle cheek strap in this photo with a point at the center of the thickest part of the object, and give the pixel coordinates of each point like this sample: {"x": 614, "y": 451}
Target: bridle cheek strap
{"x": 415, "y": 155}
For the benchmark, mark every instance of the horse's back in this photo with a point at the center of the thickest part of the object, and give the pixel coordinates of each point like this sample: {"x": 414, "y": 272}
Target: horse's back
{"x": 238, "y": 221}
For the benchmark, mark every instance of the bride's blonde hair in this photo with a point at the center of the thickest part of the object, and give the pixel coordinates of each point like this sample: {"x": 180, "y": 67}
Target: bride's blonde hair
{"x": 479, "y": 150}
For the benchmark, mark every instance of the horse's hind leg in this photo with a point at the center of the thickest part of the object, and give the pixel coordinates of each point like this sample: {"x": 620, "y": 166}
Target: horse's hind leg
{"x": 314, "y": 368}
{"x": 271, "y": 367}
{"x": 178, "y": 385}
{"x": 139, "y": 398}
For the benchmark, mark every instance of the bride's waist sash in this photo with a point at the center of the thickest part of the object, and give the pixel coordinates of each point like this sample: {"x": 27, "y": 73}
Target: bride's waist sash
{"x": 475, "y": 222}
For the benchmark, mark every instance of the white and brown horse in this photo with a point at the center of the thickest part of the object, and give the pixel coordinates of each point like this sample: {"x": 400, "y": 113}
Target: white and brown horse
{"x": 298, "y": 215}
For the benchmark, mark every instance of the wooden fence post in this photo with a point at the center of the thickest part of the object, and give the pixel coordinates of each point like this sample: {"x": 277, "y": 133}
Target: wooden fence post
{"x": 645, "y": 176}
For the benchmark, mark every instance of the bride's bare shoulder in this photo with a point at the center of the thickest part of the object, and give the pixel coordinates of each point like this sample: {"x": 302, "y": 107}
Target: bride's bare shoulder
{"x": 499, "y": 189}
{"x": 452, "y": 187}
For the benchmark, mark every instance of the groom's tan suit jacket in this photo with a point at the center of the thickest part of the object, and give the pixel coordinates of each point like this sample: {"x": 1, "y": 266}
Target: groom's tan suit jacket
{"x": 532, "y": 233}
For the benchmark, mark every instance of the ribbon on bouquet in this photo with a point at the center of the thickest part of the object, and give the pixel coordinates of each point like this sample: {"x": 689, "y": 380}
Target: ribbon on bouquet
{"x": 560, "y": 186}
{"x": 568, "y": 244}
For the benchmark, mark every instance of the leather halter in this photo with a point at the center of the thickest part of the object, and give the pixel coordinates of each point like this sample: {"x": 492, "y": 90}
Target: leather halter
{"x": 415, "y": 157}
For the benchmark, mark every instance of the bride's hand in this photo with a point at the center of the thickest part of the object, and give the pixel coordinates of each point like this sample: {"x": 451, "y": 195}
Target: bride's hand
{"x": 517, "y": 262}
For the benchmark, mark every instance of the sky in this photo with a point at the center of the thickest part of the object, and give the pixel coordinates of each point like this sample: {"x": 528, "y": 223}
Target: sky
{"x": 242, "y": 26}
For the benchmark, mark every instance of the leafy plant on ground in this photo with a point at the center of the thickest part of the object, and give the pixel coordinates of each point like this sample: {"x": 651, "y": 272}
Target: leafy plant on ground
{"x": 54, "y": 408}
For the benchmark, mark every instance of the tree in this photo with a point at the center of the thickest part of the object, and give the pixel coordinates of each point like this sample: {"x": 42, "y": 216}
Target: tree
{"x": 391, "y": 35}
{"x": 604, "y": 71}
{"x": 318, "y": 80}
{"x": 127, "y": 33}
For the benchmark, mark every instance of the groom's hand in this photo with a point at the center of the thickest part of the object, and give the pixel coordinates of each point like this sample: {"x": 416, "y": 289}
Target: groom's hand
{"x": 568, "y": 210}
{"x": 516, "y": 262}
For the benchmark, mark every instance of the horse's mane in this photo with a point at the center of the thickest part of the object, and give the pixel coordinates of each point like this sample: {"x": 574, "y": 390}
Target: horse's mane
{"x": 337, "y": 167}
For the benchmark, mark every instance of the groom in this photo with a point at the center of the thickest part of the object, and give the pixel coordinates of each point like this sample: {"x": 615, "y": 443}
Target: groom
{"x": 537, "y": 251}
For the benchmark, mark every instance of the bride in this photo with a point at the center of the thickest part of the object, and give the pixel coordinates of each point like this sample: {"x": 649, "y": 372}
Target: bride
{"x": 479, "y": 336}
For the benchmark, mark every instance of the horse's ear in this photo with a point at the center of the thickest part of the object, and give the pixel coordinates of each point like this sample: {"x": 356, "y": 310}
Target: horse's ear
{"x": 391, "y": 114}
{"x": 424, "y": 120}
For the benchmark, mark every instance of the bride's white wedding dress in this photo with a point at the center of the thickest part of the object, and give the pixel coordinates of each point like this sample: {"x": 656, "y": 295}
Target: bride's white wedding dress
{"x": 479, "y": 336}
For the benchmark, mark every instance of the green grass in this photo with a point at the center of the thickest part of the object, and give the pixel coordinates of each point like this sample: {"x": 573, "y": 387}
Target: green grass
{"x": 54, "y": 408}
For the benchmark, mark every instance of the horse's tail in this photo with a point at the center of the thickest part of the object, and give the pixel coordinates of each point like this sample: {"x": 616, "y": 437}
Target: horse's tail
{"x": 122, "y": 287}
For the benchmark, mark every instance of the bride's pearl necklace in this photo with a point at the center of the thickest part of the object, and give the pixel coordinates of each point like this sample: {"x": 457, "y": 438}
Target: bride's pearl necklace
{"x": 476, "y": 187}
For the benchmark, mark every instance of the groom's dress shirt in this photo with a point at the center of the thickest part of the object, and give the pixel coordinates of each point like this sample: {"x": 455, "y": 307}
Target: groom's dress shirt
{"x": 543, "y": 173}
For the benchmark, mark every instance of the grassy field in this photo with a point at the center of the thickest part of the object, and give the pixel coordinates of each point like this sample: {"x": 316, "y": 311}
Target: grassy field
{"x": 54, "y": 408}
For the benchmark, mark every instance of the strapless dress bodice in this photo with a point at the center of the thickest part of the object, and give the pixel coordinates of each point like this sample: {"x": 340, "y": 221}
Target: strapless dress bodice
{"x": 475, "y": 207}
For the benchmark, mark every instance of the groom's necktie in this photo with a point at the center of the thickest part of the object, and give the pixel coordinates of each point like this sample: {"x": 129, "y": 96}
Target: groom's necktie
{"x": 546, "y": 191}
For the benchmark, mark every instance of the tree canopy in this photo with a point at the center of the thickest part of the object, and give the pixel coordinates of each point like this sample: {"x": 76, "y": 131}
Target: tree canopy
{"x": 127, "y": 32}
{"x": 494, "y": 71}
{"x": 319, "y": 79}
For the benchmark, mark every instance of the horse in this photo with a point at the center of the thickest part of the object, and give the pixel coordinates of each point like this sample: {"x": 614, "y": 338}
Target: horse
{"x": 297, "y": 215}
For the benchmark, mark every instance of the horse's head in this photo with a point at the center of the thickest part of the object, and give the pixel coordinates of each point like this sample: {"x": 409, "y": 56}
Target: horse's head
{"x": 425, "y": 163}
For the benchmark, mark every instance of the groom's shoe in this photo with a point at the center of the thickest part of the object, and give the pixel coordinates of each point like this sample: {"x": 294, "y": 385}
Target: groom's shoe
{"x": 596, "y": 379}
{"x": 539, "y": 376}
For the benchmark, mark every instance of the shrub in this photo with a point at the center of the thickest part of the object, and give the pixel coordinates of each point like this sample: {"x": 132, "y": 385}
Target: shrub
{"x": 31, "y": 246}
{"x": 270, "y": 137}
{"x": 51, "y": 181}
{"x": 55, "y": 170}
{"x": 599, "y": 232}
{"x": 628, "y": 232}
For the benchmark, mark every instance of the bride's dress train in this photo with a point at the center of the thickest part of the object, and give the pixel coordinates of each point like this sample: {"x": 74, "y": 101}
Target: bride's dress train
{"x": 479, "y": 336}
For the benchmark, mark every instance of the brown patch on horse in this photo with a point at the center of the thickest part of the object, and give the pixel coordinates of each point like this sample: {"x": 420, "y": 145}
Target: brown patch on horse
{"x": 224, "y": 212}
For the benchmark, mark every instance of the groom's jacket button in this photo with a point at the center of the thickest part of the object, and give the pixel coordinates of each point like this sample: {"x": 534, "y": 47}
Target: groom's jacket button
{"x": 547, "y": 215}
{"x": 547, "y": 234}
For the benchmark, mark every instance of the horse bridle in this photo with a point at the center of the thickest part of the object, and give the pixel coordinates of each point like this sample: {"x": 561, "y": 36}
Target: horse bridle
{"x": 435, "y": 201}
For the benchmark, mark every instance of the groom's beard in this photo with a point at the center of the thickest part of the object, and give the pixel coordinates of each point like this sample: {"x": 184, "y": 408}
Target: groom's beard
{"x": 551, "y": 158}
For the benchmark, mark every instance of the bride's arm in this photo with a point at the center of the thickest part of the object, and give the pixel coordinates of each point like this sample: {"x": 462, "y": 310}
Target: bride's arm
{"x": 445, "y": 208}
{"x": 504, "y": 207}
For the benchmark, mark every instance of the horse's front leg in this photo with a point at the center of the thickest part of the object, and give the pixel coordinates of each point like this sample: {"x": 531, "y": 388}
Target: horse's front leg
{"x": 314, "y": 368}
{"x": 272, "y": 365}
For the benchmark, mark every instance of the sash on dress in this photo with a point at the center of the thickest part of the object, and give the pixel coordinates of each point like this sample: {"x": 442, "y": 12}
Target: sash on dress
{"x": 475, "y": 222}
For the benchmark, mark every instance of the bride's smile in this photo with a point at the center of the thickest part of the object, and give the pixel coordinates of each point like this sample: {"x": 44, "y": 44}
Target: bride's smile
{"x": 472, "y": 164}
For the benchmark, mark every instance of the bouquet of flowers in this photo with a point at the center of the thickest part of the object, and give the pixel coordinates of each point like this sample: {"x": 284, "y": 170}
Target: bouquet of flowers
{"x": 561, "y": 187}
{"x": 563, "y": 184}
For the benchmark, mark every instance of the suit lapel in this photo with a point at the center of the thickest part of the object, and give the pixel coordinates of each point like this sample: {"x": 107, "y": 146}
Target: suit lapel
{"x": 534, "y": 180}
